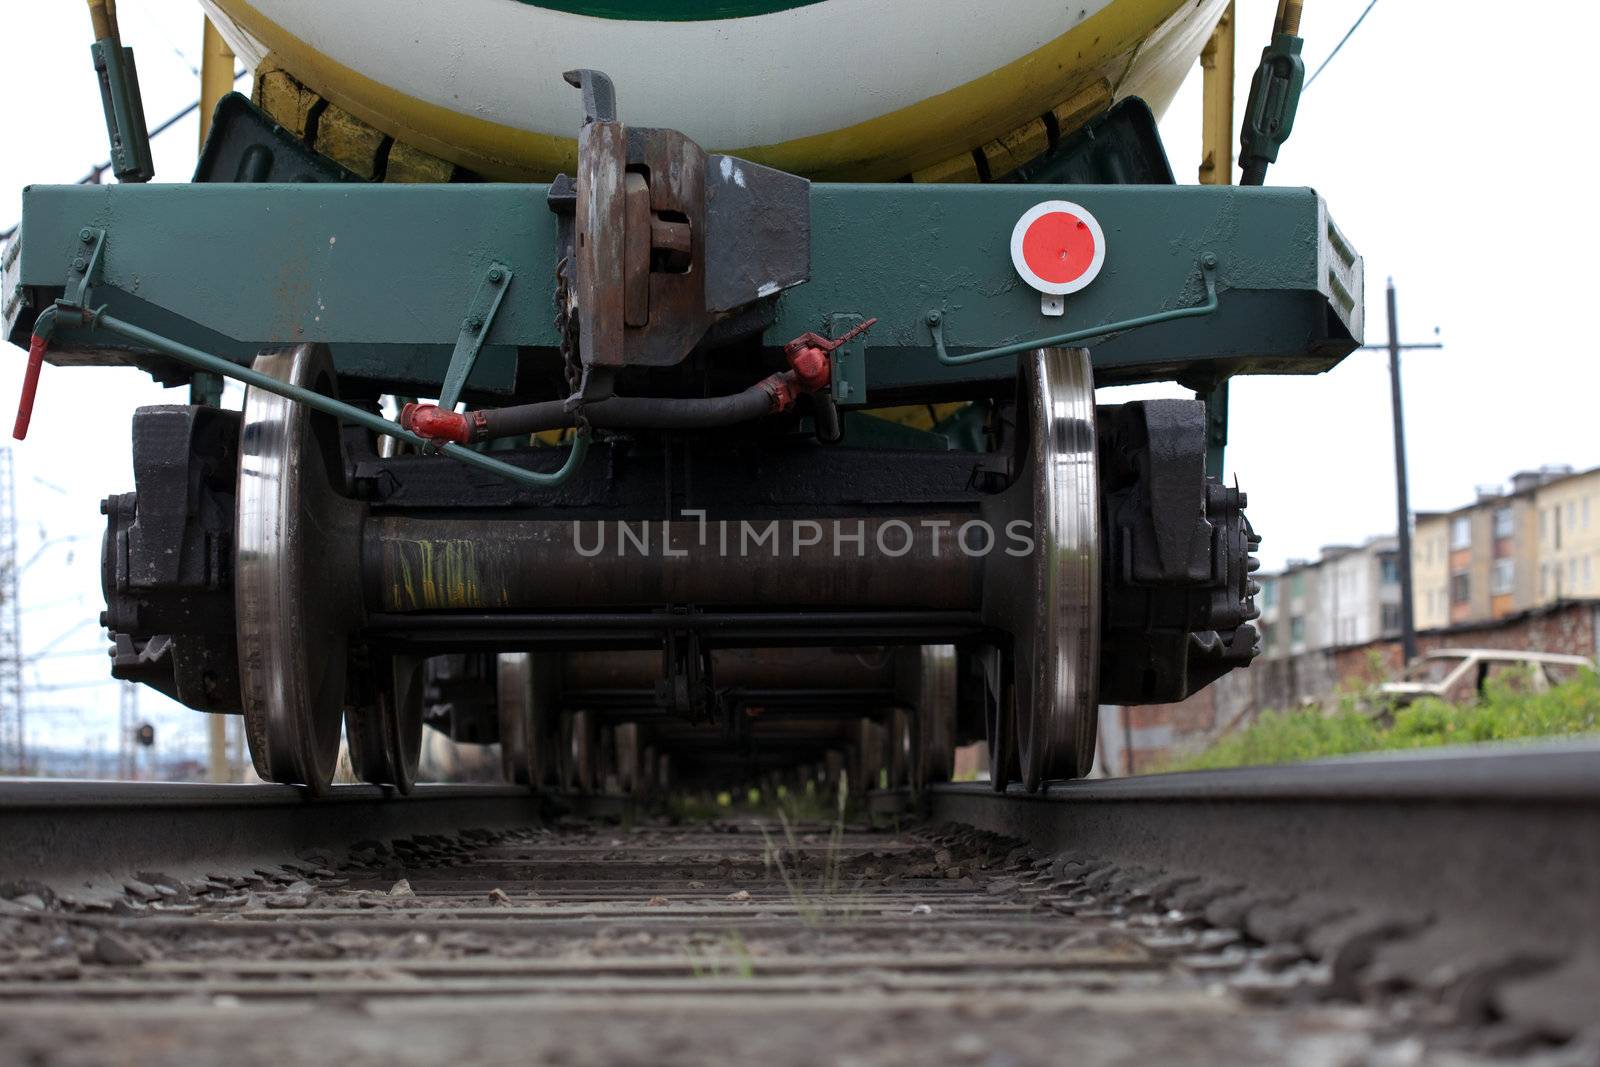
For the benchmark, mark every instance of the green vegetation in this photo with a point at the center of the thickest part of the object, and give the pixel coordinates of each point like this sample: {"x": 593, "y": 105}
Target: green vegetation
{"x": 825, "y": 901}
{"x": 735, "y": 961}
{"x": 1359, "y": 722}
{"x": 811, "y": 803}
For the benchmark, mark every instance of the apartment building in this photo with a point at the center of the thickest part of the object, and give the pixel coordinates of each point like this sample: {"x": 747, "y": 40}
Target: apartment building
{"x": 1430, "y": 570}
{"x": 1568, "y": 537}
{"x": 1348, "y": 596}
{"x": 1511, "y": 550}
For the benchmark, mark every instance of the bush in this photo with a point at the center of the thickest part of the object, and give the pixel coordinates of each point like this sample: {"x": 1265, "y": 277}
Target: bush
{"x": 1506, "y": 712}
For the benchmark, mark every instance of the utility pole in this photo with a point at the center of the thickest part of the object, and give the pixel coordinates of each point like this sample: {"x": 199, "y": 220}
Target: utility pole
{"x": 1408, "y": 625}
{"x": 13, "y": 735}
{"x": 127, "y": 726}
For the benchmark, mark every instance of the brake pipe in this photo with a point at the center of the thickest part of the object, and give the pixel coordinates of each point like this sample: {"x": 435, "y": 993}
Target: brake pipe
{"x": 327, "y": 405}
{"x": 810, "y": 359}
{"x": 615, "y": 412}
{"x": 1208, "y": 272}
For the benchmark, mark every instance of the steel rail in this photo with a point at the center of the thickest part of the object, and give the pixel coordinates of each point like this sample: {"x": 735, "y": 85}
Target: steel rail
{"x": 1482, "y": 863}
{"x": 1479, "y": 865}
{"x": 73, "y": 831}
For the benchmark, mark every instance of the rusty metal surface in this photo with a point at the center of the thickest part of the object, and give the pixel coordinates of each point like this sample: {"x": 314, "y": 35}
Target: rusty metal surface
{"x": 601, "y": 242}
{"x": 637, "y": 238}
{"x": 679, "y": 317}
{"x": 414, "y": 564}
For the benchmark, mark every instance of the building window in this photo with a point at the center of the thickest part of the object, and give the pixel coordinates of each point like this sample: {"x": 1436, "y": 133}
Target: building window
{"x": 1587, "y": 574}
{"x": 1504, "y": 523}
{"x": 1544, "y": 580}
{"x": 1391, "y": 617}
{"x": 1460, "y": 588}
{"x": 1461, "y": 532}
{"x": 1544, "y": 528}
{"x": 1503, "y": 577}
{"x": 1297, "y": 630}
{"x": 1585, "y": 513}
{"x": 1269, "y": 593}
{"x": 1572, "y": 515}
{"x": 1297, "y": 586}
{"x": 1555, "y": 525}
{"x": 1572, "y": 575}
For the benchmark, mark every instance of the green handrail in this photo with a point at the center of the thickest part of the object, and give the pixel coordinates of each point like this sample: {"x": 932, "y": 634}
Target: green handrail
{"x": 1208, "y": 272}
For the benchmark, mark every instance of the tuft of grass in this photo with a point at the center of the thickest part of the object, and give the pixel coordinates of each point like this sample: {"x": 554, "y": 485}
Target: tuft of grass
{"x": 1507, "y": 711}
{"x": 736, "y": 960}
{"x": 814, "y": 904}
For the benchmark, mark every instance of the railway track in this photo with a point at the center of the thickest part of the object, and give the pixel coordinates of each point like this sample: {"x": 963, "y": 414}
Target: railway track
{"x": 1435, "y": 910}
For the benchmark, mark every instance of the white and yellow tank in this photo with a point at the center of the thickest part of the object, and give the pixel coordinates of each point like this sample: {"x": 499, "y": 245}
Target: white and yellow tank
{"x": 840, "y": 90}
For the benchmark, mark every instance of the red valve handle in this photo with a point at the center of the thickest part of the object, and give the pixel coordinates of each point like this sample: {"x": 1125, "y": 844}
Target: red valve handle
{"x": 30, "y": 386}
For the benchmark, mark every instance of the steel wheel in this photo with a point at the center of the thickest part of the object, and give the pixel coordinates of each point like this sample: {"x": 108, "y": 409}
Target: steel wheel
{"x": 580, "y": 740}
{"x": 529, "y": 734}
{"x": 649, "y": 768}
{"x": 1049, "y": 598}
{"x": 872, "y": 742}
{"x": 295, "y": 578}
{"x": 999, "y": 718}
{"x": 902, "y": 754}
{"x": 384, "y": 731}
{"x": 625, "y": 739}
{"x": 511, "y": 678}
{"x": 935, "y": 729}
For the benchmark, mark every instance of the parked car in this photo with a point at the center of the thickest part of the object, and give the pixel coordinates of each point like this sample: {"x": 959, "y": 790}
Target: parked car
{"x": 1458, "y": 675}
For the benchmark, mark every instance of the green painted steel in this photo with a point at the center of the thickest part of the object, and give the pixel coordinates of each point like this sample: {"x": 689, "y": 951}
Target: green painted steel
{"x": 382, "y": 274}
{"x": 1270, "y": 106}
{"x": 126, "y": 131}
{"x": 1216, "y": 399}
{"x": 477, "y": 322}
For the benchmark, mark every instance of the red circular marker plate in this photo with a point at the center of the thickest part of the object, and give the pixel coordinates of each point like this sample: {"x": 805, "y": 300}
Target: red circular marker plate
{"x": 1058, "y": 247}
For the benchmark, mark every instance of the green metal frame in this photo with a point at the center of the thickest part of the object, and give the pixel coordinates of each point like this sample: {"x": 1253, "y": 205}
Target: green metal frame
{"x": 382, "y": 273}
{"x": 75, "y": 307}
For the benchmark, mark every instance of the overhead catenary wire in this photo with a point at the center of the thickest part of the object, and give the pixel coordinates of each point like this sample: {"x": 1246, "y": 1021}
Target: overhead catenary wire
{"x": 1347, "y": 34}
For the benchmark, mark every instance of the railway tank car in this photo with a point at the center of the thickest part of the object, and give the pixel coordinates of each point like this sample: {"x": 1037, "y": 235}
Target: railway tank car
{"x": 656, "y": 426}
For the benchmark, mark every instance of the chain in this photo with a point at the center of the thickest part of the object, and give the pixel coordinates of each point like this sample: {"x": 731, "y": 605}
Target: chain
{"x": 567, "y": 329}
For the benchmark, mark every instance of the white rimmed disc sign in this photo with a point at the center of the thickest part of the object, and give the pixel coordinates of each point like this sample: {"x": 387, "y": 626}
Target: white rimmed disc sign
{"x": 1058, "y": 247}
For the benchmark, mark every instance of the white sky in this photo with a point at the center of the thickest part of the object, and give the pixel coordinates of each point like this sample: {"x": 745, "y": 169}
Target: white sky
{"x": 1444, "y": 160}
